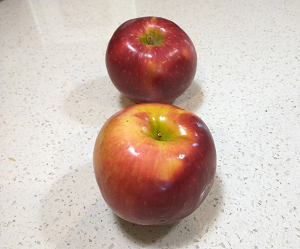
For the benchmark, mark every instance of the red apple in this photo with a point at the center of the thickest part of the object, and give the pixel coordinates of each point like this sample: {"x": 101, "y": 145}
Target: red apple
{"x": 154, "y": 163}
{"x": 151, "y": 59}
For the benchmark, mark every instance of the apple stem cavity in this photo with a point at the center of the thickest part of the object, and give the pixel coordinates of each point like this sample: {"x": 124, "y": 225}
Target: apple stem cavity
{"x": 152, "y": 38}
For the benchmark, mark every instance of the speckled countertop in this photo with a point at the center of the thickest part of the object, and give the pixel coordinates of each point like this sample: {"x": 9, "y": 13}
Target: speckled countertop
{"x": 56, "y": 95}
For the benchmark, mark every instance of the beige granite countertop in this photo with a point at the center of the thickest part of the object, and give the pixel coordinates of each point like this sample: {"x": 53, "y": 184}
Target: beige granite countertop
{"x": 56, "y": 95}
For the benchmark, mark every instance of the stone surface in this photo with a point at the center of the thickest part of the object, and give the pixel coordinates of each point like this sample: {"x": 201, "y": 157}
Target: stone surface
{"x": 56, "y": 94}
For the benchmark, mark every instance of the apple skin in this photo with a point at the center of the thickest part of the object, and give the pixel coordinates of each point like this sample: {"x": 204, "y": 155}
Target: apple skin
{"x": 154, "y": 163}
{"x": 151, "y": 73}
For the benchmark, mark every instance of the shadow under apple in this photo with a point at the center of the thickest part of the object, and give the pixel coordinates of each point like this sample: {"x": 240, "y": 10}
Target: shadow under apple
{"x": 190, "y": 100}
{"x": 73, "y": 214}
{"x": 93, "y": 102}
{"x": 65, "y": 204}
{"x": 181, "y": 233}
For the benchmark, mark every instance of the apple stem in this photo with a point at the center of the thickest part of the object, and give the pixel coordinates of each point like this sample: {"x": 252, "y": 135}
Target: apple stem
{"x": 150, "y": 40}
{"x": 159, "y": 136}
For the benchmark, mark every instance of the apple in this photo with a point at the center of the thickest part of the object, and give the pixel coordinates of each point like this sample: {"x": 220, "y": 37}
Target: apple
{"x": 154, "y": 163}
{"x": 151, "y": 59}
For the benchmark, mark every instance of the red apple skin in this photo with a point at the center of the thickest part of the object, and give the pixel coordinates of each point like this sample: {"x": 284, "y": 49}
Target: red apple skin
{"x": 151, "y": 182}
{"x": 151, "y": 73}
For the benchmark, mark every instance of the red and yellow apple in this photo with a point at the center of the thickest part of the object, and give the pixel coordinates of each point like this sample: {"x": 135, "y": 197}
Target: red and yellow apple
{"x": 154, "y": 163}
{"x": 151, "y": 59}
